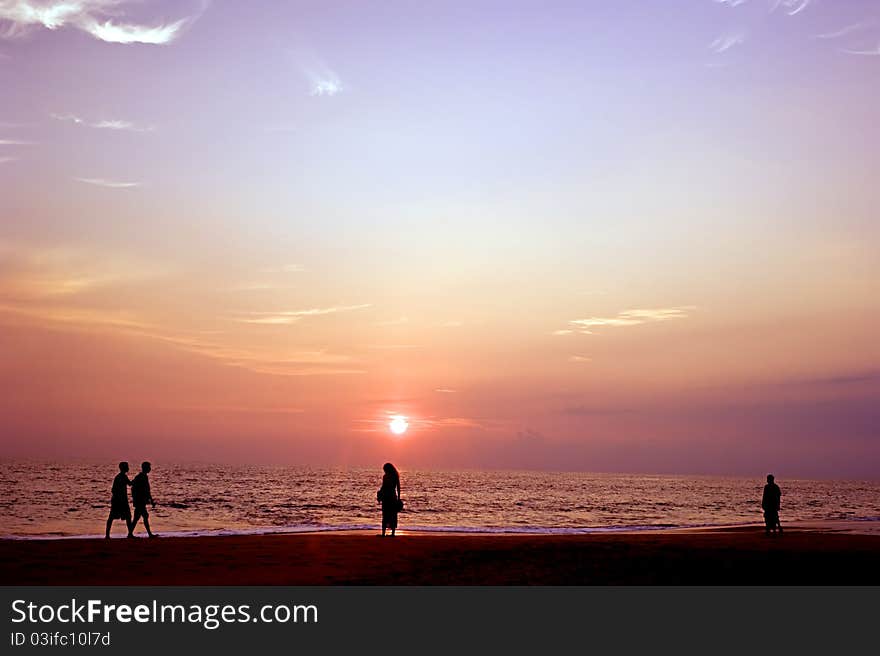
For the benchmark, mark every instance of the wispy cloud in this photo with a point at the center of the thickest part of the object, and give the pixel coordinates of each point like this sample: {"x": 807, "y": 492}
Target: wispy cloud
{"x": 861, "y": 37}
{"x": 865, "y": 376}
{"x": 871, "y": 52}
{"x": 292, "y": 316}
{"x": 458, "y": 422}
{"x": 21, "y": 14}
{"x": 39, "y": 275}
{"x": 6, "y": 160}
{"x": 15, "y": 142}
{"x": 445, "y": 390}
{"x": 322, "y": 80}
{"x": 629, "y": 318}
{"x": 579, "y": 358}
{"x": 291, "y": 363}
{"x": 110, "y": 184}
{"x": 849, "y": 29}
{"x": 421, "y": 424}
{"x": 857, "y": 38}
{"x": 122, "y": 33}
{"x": 295, "y": 363}
{"x": 69, "y": 118}
{"x": 326, "y": 87}
{"x": 727, "y": 41}
{"x": 85, "y": 291}
{"x": 100, "y": 18}
{"x": 103, "y": 124}
{"x": 790, "y": 7}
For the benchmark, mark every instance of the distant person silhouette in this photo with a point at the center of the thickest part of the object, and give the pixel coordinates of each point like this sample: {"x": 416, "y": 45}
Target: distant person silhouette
{"x": 389, "y": 496}
{"x": 140, "y": 497}
{"x": 119, "y": 508}
{"x": 770, "y": 505}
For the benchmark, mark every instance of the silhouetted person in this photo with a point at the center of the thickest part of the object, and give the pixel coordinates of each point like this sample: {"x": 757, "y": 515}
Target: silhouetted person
{"x": 770, "y": 505}
{"x": 119, "y": 508}
{"x": 389, "y": 496}
{"x": 140, "y": 497}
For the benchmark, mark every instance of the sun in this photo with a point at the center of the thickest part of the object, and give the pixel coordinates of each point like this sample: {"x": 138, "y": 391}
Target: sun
{"x": 398, "y": 424}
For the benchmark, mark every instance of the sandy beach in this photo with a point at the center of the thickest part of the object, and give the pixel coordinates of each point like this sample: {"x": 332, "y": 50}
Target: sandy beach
{"x": 730, "y": 556}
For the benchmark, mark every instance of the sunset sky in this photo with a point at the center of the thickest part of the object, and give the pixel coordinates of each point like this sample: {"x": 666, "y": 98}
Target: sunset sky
{"x": 608, "y": 236}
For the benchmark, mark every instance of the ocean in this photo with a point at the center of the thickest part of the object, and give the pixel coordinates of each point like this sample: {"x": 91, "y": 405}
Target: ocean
{"x": 51, "y": 499}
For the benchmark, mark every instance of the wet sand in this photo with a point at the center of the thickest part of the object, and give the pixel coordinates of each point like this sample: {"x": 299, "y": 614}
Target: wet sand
{"x": 731, "y": 556}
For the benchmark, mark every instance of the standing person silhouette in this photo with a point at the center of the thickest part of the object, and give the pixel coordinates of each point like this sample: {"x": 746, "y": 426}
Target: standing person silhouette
{"x": 770, "y": 505}
{"x": 389, "y": 496}
{"x": 119, "y": 508}
{"x": 140, "y": 497}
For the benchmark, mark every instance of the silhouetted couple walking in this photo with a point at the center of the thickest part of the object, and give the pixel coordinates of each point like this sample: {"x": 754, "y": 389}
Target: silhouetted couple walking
{"x": 140, "y": 497}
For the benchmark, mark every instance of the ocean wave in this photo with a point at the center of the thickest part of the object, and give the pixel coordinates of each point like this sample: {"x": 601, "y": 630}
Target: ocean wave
{"x": 416, "y": 528}
{"x": 325, "y": 528}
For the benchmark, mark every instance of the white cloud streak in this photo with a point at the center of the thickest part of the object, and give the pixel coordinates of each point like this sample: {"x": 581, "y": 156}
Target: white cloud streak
{"x": 95, "y": 17}
{"x": 871, "y": 52}
{"x": 727, "y": 41}
{"x": 849, "y": 29}
{"x": 292, "y": 316}
{"x": 790, "y": 7}
{"x": 69, "y": 118}
{"x": 121, "y": 33}
{"x": 114, "y": 125}
{"x": 110, "y": 184}
{"x": 628, "y": 318}
{"x": 101, "y": 125}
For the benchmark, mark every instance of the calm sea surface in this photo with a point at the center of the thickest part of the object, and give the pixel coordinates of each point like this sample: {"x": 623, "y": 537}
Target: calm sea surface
{"x": 41, "y": 499}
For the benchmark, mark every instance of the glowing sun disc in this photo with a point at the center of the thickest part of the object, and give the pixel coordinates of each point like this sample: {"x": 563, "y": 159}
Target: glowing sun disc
{"x": 398, "y": 425}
